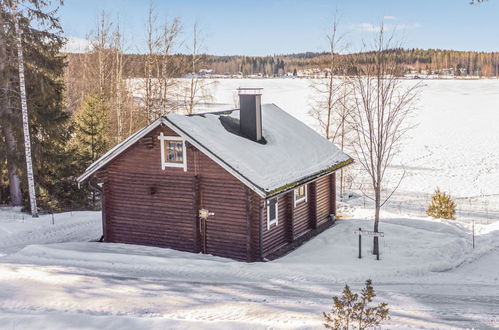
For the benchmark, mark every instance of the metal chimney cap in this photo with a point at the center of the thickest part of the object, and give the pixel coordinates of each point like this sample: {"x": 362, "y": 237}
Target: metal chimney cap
{"x": 249, "y": 91}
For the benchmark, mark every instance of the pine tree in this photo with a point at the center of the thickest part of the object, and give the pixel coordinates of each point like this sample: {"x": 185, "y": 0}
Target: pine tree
{"x": 369, "y": 317}
{"x": 441, "y": 206}
{"x": 341, "y": 316}
{"x": 352, "y": 310}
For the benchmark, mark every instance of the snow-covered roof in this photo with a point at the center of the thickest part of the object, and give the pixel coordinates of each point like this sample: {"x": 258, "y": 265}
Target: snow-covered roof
{"x": 293, "y": 153}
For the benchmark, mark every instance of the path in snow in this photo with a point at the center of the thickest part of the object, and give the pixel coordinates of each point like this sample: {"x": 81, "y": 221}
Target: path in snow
{"x": 163, "y": 302}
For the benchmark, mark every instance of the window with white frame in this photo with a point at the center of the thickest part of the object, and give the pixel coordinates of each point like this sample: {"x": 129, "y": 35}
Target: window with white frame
{"x": 272, "y": 212}
{"x": 173, "y": 153}
{"x": 300, "y": 194}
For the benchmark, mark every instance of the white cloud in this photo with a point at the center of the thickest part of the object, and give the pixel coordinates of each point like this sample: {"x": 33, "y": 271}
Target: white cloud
{"x": 388, "y": 17}
{"x": 368, "y": 27}
{"x": 76, "y": 45}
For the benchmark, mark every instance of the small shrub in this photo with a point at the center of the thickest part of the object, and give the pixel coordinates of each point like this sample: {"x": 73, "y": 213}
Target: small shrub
{"x": 352, "y": 310}
{"x": 441, "y": 206}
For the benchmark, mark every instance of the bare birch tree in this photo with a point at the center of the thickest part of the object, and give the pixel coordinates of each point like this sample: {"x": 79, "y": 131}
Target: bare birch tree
{"x": 151, "y": 65}
{"x": 119, "y": 83}
{"x": 169, "y": 71}
{"x": 382, "y": 106}
{"x": 160, "y": 70}
{"x": 330, "y": 95}
{"x": 125, "y": 119}
{"x": 25, "y": 119}
{"x": 196, "y": 90}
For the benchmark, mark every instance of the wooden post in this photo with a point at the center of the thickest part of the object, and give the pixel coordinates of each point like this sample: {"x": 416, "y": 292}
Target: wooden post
{"x": 473, "y": 233}
{"x": 360, "y": 243}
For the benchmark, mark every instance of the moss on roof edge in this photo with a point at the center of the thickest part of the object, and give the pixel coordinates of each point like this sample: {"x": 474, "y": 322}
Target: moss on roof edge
{"x": 300, "y": 182}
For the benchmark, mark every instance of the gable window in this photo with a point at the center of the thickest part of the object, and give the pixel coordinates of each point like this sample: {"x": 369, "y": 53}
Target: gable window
{"x": 173, "y": 153}
{"x": 272, "y": 212}
{"x": 300, "y": 194}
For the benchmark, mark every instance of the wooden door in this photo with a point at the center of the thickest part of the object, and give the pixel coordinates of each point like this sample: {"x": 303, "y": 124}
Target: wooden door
{"x": 225, "y": 232}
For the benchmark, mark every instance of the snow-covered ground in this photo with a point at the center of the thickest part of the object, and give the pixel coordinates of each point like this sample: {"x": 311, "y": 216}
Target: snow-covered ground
{"x": 54, "y": 275}
{"x": 428, "y": 273}
{"x": 19, "y": 229}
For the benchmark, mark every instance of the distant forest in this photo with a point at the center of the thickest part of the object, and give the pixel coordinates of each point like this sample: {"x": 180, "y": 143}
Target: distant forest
{"x": 431, "y": 61}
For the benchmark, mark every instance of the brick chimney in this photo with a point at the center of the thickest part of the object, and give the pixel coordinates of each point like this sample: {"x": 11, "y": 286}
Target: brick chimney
{"x": 250, "y": 117}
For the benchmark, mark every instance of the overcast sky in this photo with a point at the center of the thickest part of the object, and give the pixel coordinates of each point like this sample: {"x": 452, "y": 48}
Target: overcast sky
{"x": 266, "y": 27}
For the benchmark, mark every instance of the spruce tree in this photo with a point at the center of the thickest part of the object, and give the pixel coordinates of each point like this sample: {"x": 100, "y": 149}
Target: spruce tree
{"x": 442, "y": 206}
{"x": 49, "y": 122}
{"x": 90, "y": 137}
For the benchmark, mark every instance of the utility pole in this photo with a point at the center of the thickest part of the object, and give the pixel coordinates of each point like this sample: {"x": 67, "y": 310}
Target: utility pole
{"x": 24, "y": 108}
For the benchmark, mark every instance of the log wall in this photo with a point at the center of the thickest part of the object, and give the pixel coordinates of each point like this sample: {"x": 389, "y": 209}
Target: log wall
{"x": 323, "y": 199}
{"x": 303, "y": 218}
{"x": 301, "y": 215}
{"x": 150, "y": 206}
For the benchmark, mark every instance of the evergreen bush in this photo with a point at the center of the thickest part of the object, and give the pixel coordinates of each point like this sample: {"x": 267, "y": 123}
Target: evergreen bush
{"x": 441, "y": 206}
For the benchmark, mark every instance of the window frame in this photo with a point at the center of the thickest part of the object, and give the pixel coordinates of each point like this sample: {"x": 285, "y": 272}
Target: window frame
{"x": 164, "y": 139}
{"x": 275, "y": 221}
{"x": 304, "y": 198}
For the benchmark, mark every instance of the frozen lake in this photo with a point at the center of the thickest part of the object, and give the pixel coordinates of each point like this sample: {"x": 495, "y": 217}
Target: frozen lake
{"x": 455, "y": 145}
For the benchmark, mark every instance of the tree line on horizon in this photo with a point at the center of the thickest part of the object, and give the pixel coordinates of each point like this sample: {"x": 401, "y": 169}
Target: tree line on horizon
{"x": 416, "y": 61}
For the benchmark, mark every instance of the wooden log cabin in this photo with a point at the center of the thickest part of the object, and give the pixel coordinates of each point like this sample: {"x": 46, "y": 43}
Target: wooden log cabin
{"x": 248, "y": 184}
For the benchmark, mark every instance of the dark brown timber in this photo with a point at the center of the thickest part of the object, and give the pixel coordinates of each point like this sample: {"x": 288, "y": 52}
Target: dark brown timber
{"x": 144, "y": 204}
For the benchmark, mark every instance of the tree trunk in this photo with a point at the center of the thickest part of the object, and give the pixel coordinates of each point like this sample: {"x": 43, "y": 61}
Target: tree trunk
{"x": 16, "y": 196}
{"x": 24, "y": 106}
{"x": 377, "y": 206}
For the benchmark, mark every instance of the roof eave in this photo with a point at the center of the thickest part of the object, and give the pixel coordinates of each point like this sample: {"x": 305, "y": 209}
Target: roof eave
{"x": 118, "y": 149}
{"x": 290, "y": 186}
